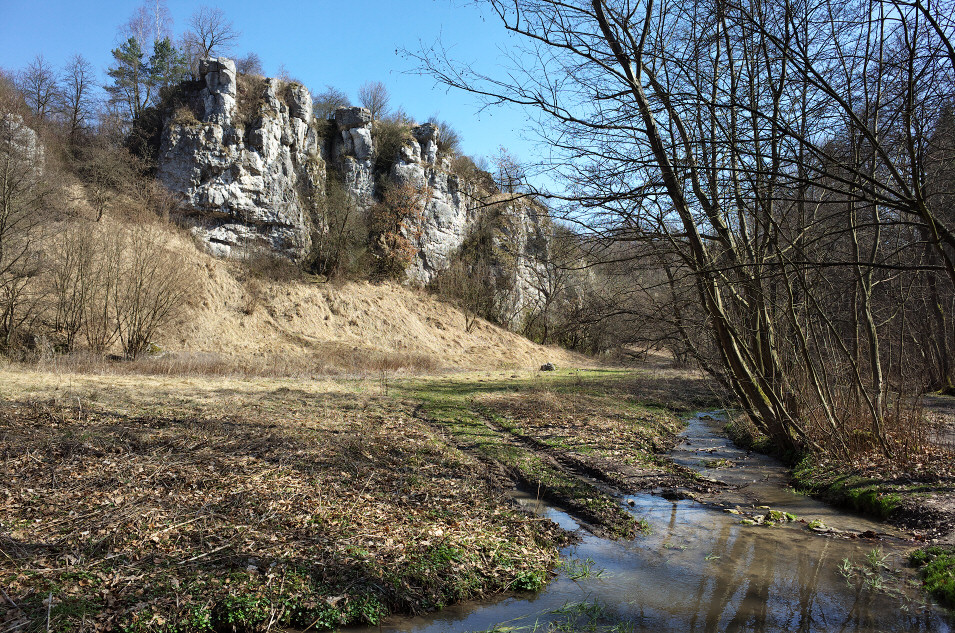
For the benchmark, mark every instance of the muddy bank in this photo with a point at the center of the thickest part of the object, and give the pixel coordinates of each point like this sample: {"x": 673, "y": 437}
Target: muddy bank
{"x": 913, "y": 489}
{"x": 699, "y": 567}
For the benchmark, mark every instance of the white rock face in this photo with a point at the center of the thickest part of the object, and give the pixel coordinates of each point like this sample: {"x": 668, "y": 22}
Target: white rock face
{"x": 241, "y": 176}
{"x": 453, "y": 210}
{"x": 23, "y": 144}
{"x": 354, "y": 153}
{"x": 241, "y": 183}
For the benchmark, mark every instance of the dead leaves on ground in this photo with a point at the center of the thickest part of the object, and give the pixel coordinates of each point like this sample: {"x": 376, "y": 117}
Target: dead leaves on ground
{"x": 156, "y": 519}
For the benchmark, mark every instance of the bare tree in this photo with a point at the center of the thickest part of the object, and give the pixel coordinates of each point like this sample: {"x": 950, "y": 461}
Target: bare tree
{"x": 772, "y": 158}
{"x": 78, "y": 103}
{"x": 38, "y": 84}
{"x": 149, "y": 23}
{"x": 374, "y": 96}
{"x": 508, "y": 171}
{"x": 211, "y": 32}
{"x": 327, "y": 101}
{"x": 74, "y": 274}
{"x": 250, "y": 64}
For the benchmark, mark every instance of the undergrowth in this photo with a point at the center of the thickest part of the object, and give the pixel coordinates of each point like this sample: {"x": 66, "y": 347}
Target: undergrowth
{"x": 937, "y": 569}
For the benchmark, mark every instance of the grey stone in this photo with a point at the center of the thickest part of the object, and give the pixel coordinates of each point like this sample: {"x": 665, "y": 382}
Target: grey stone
{"x": 241, "y": 184}
{"x": 240, "y": 188}
{"x": 347, "y": 118}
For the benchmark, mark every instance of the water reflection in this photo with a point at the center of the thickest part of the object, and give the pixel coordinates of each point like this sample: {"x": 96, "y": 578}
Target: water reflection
{"x": 701, "y": 570}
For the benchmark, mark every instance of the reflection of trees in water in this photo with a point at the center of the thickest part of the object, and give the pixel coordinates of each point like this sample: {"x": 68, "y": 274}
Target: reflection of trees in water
{"x": 760, "y": 588}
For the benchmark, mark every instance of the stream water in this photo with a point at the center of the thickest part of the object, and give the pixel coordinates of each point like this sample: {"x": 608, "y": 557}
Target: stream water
{"x": 701, "y": 569}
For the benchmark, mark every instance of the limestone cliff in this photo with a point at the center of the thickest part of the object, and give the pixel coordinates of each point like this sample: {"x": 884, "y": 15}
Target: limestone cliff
{"x": 243, "y": 175}
{"x": 247, "y": 158}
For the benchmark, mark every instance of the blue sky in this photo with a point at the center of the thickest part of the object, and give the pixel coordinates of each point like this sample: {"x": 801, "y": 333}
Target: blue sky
{"x": 319, "y": 42}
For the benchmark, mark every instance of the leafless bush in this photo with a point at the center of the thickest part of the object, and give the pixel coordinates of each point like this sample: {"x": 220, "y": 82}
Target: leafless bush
{"x": 340, "y": 240}
{"x": 151, "y": 287}
{"x": 72, "y": 280}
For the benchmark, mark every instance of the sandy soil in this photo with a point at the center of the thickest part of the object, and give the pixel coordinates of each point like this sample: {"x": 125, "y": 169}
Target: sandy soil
{"x": 247, "y": 318}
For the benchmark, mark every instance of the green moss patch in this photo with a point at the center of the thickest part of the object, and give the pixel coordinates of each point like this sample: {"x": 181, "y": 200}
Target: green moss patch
{"x": 937, "y": 570}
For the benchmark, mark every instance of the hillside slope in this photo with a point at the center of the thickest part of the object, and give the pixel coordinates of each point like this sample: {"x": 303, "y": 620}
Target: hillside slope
{"x": 241, "y": 318}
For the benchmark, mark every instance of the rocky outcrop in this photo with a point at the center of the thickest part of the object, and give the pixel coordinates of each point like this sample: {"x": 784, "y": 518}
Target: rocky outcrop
{"x": 520, "y": 228}
{"x": 247, "y": 159}
{"x": 354, "y": 153}
{"x": 244, "y": 173}
{"x": 21, "y": 144}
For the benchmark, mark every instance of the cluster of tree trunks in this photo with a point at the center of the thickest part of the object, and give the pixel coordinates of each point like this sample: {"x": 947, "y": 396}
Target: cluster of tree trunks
{"x": 775, "y": 176}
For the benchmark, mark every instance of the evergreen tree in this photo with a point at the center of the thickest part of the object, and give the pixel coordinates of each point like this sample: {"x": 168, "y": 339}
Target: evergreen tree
{"x": 136, "y": 81}
{"x": 166, "y": 66}
{"x": 131, "y": 87}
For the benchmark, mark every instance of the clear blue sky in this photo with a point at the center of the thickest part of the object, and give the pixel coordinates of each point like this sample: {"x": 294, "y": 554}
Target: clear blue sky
{"x": 319, "y": 42}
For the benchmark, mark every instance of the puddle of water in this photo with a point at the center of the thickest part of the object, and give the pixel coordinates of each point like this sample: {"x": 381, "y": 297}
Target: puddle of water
{"x": 756, "y": 479}
{"x": 701, "y": 570}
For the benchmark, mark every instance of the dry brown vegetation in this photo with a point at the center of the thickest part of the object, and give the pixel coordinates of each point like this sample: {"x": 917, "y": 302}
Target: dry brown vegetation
{"x": 171, "y": 503}
{"x": 177, "y": 504}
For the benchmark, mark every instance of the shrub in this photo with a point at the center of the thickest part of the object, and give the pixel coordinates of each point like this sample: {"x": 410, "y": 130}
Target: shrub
{"x": 184, "y": 115}
{"x": 340, "y": 237}
{"x": 250, "y": 98}
{"x": 389, "y": 135}
{"x": 480, "y": 280}
{"x": 328, "y": 101}
{"x": 449, "y": 141}
{"x": 465, "y": 168}
{"x": 110, "y": 284}
{"x": 151, "y": 287}
{"x": 394, "y": 228}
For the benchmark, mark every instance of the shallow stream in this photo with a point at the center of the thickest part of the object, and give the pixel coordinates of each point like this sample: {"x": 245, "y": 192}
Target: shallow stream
{"x": 701, "y": 569}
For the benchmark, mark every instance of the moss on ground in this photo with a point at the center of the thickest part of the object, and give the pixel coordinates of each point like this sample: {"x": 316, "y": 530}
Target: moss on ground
{"x": 863, "y": 494}
{"x": 937, "y": 569}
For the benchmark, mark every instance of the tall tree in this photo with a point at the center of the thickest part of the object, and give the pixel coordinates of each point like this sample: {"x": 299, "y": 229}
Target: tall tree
{"x": 137, "y": 83}
{"x": 78, "y": 102}
{"x": 25, "y": 193}
{"x": 131, "y": 87}
{"x": 211, "y": 32}
{"x": 38, "y": 84}
{"x": 166, "y": 65}
{"x": 773, "y": 154}
{"x": 149, "y": 23}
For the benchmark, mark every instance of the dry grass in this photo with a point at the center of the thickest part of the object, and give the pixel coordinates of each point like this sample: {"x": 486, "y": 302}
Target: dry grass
{"x": 331, "y": 360}
{"x": 175, "y": 503}
{"x": 241, "y": 318}
{"x": 262, "y": 317}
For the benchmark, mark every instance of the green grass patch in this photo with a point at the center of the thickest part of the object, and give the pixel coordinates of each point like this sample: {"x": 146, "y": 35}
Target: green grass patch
{"x": 937, "y": 570}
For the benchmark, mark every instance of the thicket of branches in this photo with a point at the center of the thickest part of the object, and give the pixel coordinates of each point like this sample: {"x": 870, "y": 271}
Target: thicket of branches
{"x": 776, "y": 178}
{"x": 70, "y": 279}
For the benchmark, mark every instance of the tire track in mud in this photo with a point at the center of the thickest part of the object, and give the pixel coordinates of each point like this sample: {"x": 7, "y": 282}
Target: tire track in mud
{"x": 620, "y": 478}
{"x": 590, "y": 494}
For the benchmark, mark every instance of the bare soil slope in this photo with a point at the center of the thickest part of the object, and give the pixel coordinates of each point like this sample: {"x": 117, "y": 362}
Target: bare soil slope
{"x": 253, "y": 319}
